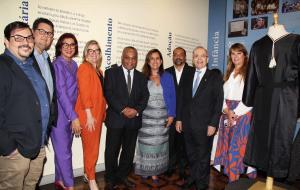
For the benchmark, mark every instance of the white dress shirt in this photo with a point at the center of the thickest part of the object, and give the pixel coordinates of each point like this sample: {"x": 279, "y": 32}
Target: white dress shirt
{"x": 233, "y": 90}
{"x": 178, "y": 74}
{"x": 126, "y": 73}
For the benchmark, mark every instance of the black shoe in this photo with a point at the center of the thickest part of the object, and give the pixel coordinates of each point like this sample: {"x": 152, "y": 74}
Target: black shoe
{"x": 188, "y": 183}
{"x": 85, "y": 178}
{"x": 109, "y": 186}
{"x": 201, "y": 186}
{"x": 169, "y": 173}
{"x": 127, "y": 183}
{"x": 182, "y": 175}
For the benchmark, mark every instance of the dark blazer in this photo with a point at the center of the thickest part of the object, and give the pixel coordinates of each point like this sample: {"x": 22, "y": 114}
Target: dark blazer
{"x": 186, "y": 73}
{"x": 53, "y": 103}
{"x": 116, "y": 94}
{"x": 20, "y": 114}
{"x": 205, "y": 108}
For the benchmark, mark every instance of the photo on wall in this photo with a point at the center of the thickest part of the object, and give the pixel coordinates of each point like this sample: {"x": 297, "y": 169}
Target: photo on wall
{"x": 240, "y": 8}
{"x": 290, "y": 6}
{"x": 260, "y": 7}
{"x": 259, "y": 23}
{"x": 238, "y": 28}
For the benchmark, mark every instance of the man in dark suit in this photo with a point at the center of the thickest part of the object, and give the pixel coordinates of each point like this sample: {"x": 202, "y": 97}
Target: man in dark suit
{"x": 177, "y": 153}
{"x": 43, "y": 32}
{"x": 24, "y": 111}
{"x": 127, "y": 95}
{"x": 200, "y": 108}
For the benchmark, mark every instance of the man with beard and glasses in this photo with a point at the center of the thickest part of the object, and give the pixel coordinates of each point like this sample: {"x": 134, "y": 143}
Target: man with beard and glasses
{"x": 177, "y": 155}
{"x": 24, "y": 111}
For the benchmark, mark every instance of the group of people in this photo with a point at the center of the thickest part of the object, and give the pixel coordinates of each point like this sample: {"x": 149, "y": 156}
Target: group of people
{"x": 264, "y": 6}
{"x": 171, "y": 114}
{"x": 290, "y": 6}
{"x": 42, "y": 99}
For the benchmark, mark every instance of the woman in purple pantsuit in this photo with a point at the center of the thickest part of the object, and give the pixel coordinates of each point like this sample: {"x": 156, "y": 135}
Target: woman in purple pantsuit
{"x": 67, "y": 122}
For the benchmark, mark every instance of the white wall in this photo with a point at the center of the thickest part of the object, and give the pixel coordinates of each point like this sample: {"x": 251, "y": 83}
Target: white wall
{"x": 144, "y": 24}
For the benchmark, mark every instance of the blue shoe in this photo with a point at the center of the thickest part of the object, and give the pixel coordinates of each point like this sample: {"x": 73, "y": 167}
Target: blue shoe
{"x": 144, "y": 178}
{"x": 155, "y": 181}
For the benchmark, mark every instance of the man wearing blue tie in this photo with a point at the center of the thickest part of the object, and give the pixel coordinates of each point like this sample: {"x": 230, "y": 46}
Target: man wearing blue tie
{"x": 199, "y": 110}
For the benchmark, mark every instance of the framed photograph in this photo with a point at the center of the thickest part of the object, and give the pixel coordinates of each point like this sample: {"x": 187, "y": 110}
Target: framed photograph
{"x": 240, "y": 8}
{"x": 260, "y": 7}
{"x": 259, "y": 23}
{"x": 237, "y": 28}
{"x": 290, "y": 6}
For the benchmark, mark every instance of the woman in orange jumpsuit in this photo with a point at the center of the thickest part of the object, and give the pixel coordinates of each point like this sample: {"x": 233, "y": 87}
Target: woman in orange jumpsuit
{"x": 90, "y": 107}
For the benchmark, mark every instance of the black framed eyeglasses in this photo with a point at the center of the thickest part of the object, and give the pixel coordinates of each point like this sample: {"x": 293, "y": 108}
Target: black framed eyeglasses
{"x": 45, "y": 33}
{"x": 91, "y": 51}
{"x": 19, "y": 38}
{"x": 66, "y": 45}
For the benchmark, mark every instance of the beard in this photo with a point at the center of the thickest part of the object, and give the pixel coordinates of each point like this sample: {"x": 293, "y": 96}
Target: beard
{"x": 178, "y": 62}
{"x": 25, "y": 52}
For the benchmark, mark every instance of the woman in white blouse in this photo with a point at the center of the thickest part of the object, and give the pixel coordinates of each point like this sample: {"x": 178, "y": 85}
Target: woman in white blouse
{"x": 235, "y": 121}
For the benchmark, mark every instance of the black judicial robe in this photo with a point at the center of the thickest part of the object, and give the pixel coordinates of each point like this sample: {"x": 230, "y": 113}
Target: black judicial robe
{"x": 274, "y": 95}
{"x": 294, "y": 172}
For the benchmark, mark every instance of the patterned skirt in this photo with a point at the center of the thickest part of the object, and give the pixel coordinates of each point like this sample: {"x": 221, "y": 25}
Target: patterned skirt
{"x": 232, "y": 143}
{"x": 152, "y": 153}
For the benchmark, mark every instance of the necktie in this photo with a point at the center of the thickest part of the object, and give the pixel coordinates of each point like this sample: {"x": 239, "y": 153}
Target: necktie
{"x": 128, "y": 82}
{"x": 197, "y": 81}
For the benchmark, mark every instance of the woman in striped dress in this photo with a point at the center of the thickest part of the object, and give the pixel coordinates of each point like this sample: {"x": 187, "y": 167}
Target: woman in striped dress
{"x": 152, "y": 156}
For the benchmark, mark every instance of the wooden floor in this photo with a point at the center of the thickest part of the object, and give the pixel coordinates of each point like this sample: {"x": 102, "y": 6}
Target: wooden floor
{"x": 217, "y": 182}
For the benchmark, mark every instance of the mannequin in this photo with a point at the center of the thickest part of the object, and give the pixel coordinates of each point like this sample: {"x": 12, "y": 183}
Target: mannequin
{"x": 276, "y": 31}
{"x": 272, "y": 89}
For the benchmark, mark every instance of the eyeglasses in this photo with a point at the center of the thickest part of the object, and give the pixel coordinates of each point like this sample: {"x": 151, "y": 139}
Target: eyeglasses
{"x": 45, "y": 33}
{"x": 19, "y": 38}
{"x": 66, "y": 45}
{"x": 91, "y": 51}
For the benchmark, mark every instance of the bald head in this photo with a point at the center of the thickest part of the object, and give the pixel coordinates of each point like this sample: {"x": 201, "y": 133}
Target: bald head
{"x": 200, "y": 57}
